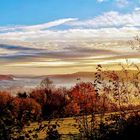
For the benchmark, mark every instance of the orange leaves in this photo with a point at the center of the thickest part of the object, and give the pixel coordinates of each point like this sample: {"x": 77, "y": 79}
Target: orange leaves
{"x": 72, "y": 108}
{"x": 82, "y": 90}
{"x": 22, "y": 108}
{"x": 83, "y": 95}
{"x": 5, "y": 99}
{"x": 113, "y": 76}
{"x": 26, "y": 105}
{"x": 39, "y": 95}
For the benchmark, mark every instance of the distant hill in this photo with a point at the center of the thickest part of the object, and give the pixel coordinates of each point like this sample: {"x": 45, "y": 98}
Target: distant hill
{"x": 26, "y": 82}
{"x": 6, "y": 77}
{"x": 72, "y": 76}
{"x": 88, "y": 74}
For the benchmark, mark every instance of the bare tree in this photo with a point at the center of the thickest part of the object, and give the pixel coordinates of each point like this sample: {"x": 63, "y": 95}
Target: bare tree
{"x": 46, "y": 83}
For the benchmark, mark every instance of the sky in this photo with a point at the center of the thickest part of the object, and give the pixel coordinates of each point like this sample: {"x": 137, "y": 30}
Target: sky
{"x": 65, "y": 36}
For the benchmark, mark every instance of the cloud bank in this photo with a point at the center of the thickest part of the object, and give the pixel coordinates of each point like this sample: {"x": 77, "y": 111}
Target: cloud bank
{"x": 83, "y": 44}
{"x": 111, "y": 24}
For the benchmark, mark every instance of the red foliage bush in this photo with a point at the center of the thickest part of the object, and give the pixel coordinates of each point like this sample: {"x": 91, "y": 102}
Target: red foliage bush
{"x": 52, "y": 100}
{"x": 39, "y": 95}
{"x": 56, "y": 97}
{"x": 84, "y": 95}
{"x": 23, "y": 107}
{"x": 56, "y": 102}
{"x": 72, "y": 108}
{"x": 5, "y": 100}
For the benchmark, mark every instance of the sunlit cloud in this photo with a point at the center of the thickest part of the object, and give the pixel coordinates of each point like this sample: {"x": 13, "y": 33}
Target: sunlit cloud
{"x": 42, "y": 64}
{"x": 124, "y": 26}
{"x": 35, "y": 27}
{"x": 84, "y": 44}
{"x": 110, "y": 19}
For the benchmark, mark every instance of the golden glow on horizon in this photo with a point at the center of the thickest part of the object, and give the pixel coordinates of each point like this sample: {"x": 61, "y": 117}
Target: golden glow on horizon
{"x": 60, "y": 67}
{"x": 42, "y": 64}
{"x": 58, "y": 63}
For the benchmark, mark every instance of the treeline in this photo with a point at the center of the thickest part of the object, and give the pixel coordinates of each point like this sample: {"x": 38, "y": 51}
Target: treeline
{"x": 56, "y": 102}
{"x": 108, "y": 94}
{"x": 47, "y": 103}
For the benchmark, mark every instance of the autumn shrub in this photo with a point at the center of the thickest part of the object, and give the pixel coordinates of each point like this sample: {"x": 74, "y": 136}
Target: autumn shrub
{"x": 131, "y": 129}
{"x": 5, "y": 101}
{"x": 26, "y": 109}
{"x": 52, "y": 101}
{"x": 39, "y": 95}
{"x": 56, "y": 102}
{"x": 18, "y": 112}
{"x": 82, "y": 98}
{"x": 72, "y": 109}
{"x": 120, "y": 126}
{"x": 9, "y": 125}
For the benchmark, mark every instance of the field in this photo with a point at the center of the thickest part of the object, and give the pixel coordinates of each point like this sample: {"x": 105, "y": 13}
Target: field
{"x": 68, "y": 126}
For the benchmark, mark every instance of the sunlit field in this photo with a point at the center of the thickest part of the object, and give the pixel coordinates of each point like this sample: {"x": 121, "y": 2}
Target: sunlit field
{"x": 68, "y": 127}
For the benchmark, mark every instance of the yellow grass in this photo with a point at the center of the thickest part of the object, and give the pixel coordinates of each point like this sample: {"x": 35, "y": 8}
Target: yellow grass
{"x": 68, "y": 125}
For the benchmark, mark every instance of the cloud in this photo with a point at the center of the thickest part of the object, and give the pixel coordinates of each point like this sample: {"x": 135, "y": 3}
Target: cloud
{"x": 110, "y": 19}
{"x": 137, "y": 9}
{"x": 87, "y": 51}
{"x": 49, "y": 24}
{"x": 17, "y": 48}
{"x": 67, "y": 51}
{"x": 103, "y": 26}
{"x": 122, "y": 3}
{"x": 74, "y": 55}
{"x": 83, "y": 43}
{"x": 19, "y": 28}
{"x": 70, "y": 34}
